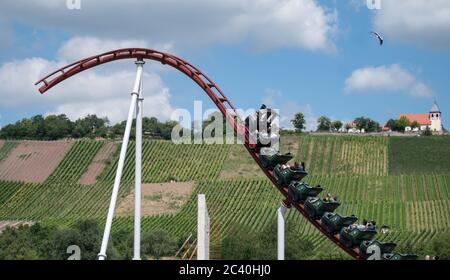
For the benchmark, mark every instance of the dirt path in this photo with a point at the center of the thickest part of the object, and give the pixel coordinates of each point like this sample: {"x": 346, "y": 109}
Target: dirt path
{"x": 97, "y": 164}
{"x": 33, "y": 161}
{"x": 162, "y": 198}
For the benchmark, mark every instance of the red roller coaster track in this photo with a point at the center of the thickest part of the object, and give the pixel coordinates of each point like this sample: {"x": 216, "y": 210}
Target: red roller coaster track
{"x": 211, "y": 89}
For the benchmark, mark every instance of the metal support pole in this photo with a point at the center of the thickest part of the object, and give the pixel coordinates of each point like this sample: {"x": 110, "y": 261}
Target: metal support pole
{"x": 123, "y": 151}
{"x": 280, "y": 213}
{"x": 138, "y": 172}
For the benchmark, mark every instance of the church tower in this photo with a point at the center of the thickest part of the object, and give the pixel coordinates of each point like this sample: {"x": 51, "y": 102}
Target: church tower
{"x": 436, "y": 118}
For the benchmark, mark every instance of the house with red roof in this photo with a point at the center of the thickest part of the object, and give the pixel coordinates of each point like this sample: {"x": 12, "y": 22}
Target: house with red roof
{"x": 432, "y": 120}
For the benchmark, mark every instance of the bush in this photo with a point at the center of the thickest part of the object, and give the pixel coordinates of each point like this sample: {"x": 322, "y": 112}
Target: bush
{"x": 244, "y": 243}
{"x": 441, "y": 246}
{"x": 158, "y": 244}
{"x": 40, "y": 242}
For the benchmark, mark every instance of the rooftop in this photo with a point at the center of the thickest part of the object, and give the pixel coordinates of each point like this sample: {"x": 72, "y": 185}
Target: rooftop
{"x": 422, "y": 119}
{"x": 435, "y": 107}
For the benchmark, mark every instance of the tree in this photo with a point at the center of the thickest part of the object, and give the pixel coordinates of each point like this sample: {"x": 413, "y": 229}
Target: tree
{"x": 240, "y": 244}
{"x": 158, "y": 243}
{"x": 298, "y": 122}
{"x": 348, "y": 126}
{"x": 373, "y": 126}
{"x": 122, "y": 244}
{"x": 392, "y": 124}
{"x": 427, "y": 132}
{"x": 337, "y": 125}
{"x": 441, "y": 246}
{"x": 402, "y": 123}
{"x": 324, "y": 124}
{"x": 15, "y": 245}
{"x": 361, "y": 123}
{"x": 367, "y": 124}
{"x": 90, "y": 126}
{"x": 243, "y": 243}
{"x": 57, "y": 127}
{"x": 86, "y": 234}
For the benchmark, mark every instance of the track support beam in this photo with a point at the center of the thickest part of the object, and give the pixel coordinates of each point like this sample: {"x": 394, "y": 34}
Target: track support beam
{"x": 123, "y": 151}
{"x": 281, "y": 231}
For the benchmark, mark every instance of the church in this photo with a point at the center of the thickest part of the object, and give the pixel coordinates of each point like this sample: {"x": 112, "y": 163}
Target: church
{"x": 432, "y": 120}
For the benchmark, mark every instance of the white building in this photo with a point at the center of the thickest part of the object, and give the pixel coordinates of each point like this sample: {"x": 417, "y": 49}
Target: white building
{"x": 432, "y": 120}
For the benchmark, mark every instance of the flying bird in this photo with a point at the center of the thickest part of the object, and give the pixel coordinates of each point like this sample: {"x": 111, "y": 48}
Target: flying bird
{"x": 378, "y": 36}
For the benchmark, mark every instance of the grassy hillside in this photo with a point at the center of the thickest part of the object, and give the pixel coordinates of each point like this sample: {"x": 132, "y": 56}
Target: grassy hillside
{"x": 344, "y": 155}
{"x": 403, "y": 183}
{"x": 419, "y": 155}
{"x": 163, "y": 161}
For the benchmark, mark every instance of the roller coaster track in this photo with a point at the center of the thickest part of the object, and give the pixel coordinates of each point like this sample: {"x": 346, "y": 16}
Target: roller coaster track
{"x": 216, "y": 95}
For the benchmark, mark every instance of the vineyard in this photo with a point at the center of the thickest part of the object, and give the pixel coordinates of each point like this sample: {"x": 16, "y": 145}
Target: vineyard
{"x": 75, "y": 162}
{"x": 419, "y": 155}
{"x": 23, "y": 161}
{"x": 162, "y": 161}
{"x": 344, "y": 155}
{"x": 374, "y": 177}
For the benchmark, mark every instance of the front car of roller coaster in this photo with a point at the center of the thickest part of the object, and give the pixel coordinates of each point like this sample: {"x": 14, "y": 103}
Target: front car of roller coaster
{"x": 228, "y": 111}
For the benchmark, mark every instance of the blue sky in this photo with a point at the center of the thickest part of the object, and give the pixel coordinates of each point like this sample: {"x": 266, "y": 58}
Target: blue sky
{"x": 311, "y": 56}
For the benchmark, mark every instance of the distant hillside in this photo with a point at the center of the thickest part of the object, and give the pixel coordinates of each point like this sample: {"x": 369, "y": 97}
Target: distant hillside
{"x": 401, "y": 182}
{"x": 419, "y": 155}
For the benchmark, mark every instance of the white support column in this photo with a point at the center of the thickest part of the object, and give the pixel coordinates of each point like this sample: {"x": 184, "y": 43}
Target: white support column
{"x": 123, "y": 151}
{"x": 281, "y": 230}
{"x": 138, "y": 171}
{"x": 202, "y": 229}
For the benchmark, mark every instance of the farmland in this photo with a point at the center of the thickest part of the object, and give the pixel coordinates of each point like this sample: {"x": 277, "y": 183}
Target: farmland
{"x": 24, "y": 160}
{"x": 370, "y": 175}
{"x": 419, "y": 155}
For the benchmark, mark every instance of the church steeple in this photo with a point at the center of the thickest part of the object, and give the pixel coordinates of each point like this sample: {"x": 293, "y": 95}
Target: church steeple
{"x": 435, "y": 117}
{"x": 435, "y": 108}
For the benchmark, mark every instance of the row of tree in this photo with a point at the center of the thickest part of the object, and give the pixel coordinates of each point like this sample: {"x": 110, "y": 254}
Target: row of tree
{"x": 40, "y": 242}
{"x": 325, "y": 124}
{"x": 401, "y": 124}
{"x": 55, "y": 127}
{"x": 244, "y": 243}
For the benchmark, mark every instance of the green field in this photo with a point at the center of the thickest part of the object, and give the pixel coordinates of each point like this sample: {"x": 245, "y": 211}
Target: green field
{"x": 374, "y": 177}
{"x": 424, "y": 155}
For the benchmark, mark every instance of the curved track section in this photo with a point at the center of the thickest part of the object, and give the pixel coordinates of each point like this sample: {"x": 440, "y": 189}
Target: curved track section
{"x": 211, "y": 89}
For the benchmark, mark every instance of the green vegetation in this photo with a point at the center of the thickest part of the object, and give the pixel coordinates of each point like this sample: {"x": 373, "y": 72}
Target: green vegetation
{"x": 367, "y": 124}
{"x": 244, "y": 244}
{"x": 400, "y": 182}
{"x": 76, "y": 161}
{"x": 419, "y": 155}
{"x": 343, "y": 155}
{"x": 158, "y": 244}
{"x": 323, "y": 124}
{"x": 164, "y": 161}
{"x": 298, "y": 122}
{"x": 55, "y": 127}
{"x": 401, "y": 124}
{"x": 50, "y": 242}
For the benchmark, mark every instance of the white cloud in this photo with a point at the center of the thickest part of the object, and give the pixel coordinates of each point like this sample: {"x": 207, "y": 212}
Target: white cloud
{"x": 263, "y": 24}
{"x": 424, "y": 23}
{"x": 392, "y": 78}
{"x": 104, "y": 92}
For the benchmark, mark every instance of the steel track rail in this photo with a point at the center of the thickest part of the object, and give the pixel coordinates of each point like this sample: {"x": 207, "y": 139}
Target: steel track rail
{"x": 214, "y": 93}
